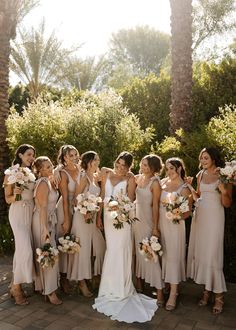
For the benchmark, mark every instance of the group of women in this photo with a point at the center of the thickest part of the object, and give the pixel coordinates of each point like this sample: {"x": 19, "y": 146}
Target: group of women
{"x": 41, "y": 214}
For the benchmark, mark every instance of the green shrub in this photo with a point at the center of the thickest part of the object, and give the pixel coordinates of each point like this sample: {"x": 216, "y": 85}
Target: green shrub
{"x": 95, "y": 122}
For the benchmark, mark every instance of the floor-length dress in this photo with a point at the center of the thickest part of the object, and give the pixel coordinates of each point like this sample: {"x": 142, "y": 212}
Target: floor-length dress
{"x": 20, "y": 217}
{"x": 91, "y": 241}
{"x": 149, "y": 271}
{"x": 173, "y": 243}
{"x": 205, "y": 257}
{"x": 46, "y": 279}
{"x": 117, "y": 296}
{"x": 63, "y": 258}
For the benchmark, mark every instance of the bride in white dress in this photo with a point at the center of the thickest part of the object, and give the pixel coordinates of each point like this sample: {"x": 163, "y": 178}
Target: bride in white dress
{"x": 117, "y": 296}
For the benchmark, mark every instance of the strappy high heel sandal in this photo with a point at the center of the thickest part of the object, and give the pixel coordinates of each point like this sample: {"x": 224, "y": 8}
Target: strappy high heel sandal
{"x": 17, "y": 294}
{"x": 53, "y": 299}
{"x": 205, "y": 298}
{"x": 84, "y": 290}
{"x": 171, "y": 306}
{"x": 218, "y": 305}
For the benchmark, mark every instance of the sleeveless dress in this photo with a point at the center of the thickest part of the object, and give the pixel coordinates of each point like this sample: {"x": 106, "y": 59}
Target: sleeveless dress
{"x": 173, "y": 244}
{"x": 149, "y": 271}
{"x": 92, "y": 244}
{"x": 205, "y": 257}
{"x": 46, "y": 279}
{"x": 63, "y": 258}
{"x": 117, "y": 296}
{"x": 20, "y": 218}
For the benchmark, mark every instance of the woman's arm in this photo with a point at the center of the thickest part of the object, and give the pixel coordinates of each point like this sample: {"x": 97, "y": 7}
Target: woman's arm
{"x": 102, "y": 194}
{"x": 226, "y": 194}
{"x": 63, "y": 187}
{"x": 11, "y": 191}
{"x": 156, "y": 195}
{"x": 131, "y": 188}
{"x": 42, "y": 200}
{"x": 195, "y": 193}
{"x": 79, "y": 188}
{"x": 186, "y": 193}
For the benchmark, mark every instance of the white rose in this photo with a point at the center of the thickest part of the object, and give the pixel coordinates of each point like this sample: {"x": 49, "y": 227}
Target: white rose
{"x": 83, "y": 210}
{"x": 169, "y": 215}
{"x": 156, "y": 246}
{"x": 113, "y": 203}
{"x": 38, "y": 251}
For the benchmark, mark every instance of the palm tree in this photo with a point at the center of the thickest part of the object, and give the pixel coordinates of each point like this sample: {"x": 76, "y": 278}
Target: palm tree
{"x": 181, "y": 70}
{"x": 11, "y": 12}
{"x": 38, "y": 60}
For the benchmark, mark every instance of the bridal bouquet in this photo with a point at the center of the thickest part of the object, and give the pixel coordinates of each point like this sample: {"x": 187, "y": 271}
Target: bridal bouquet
{"x": 176, "y": 205}
{"x": 87, "y": 204}
{"x": 68, "y": 244}
{"x": 20, "y": 176}
{"x": 150, "y": 248}
{"x": 228, "y": 173}
{"x": 122, "y": 210}
{"x": 47, "y": 255}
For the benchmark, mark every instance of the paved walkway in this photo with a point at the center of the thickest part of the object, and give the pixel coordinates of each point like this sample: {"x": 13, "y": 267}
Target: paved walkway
{"x": 77, "y": 313}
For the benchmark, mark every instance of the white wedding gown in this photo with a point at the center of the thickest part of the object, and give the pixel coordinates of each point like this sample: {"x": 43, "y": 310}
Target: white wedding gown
{"x": 117, "y": 296}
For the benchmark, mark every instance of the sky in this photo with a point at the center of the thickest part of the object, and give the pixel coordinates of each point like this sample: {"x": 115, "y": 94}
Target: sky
{"x": 91, "y": 22}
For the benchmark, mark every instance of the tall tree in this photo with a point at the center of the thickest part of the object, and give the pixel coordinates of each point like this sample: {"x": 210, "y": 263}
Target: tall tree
{"x": 38, "y": 60}
{"x": 143, "y": 49}
{"x": 181, "y": 67}
{"x": 11, "y": 12}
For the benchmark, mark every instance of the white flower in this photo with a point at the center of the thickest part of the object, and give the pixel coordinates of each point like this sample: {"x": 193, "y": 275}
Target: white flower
{"x": 141, "y": 251}
{"x": 38, "y": 251}
{"x": 156, "y": 246}
{"x": 83, "y": 210}
{"x": 113, "y": 203}
{"x": 169, "y": 215}
{"x": 184, "y": 207}
{"x": 113, "y": 214}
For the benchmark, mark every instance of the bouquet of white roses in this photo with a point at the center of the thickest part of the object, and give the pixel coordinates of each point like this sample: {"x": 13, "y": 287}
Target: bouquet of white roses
{"x": 47, "y": 255}
{"x": 87, "y": 204}
{"x": 150, "y": 248}
{"x": 68, "y": 244}
{"x": 176, "y": 205}
{"x": 122, "y": 210}
{"x": 227, "y": 174}
{"x": 20, "y": 176}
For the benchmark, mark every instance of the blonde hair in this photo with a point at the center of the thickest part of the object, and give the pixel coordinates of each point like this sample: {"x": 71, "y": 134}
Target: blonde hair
{"x": 38, "y": 164}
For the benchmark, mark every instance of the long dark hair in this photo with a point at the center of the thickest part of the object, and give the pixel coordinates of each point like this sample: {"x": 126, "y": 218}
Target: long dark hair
{"x": 127, "y": 157}
{"x": 86, "y": 158}
{"x": 215, "y": 156}
{"x": 177, "y": 163}
{"x": 64, "y": 150}
{"x": 21, "y": 150}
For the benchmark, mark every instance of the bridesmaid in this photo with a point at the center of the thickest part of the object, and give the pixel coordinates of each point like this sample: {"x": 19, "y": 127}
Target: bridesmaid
{"x": 148, "y": 194}
{"x": 20, "y": 217}
{"x": 44, "y": 227}
{"x": 205, "y": 257}
{"x": 173, "y": 235}
{"x": 70, "y": 174}
{"x": 91, "y": 239}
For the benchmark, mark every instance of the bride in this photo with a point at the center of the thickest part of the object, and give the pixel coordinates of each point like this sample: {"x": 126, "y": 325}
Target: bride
{"x": 117, "y": 296}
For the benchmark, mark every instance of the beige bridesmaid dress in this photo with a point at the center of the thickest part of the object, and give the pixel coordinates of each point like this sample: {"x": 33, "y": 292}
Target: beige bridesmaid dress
{"x": 173, "y": 244}
{"x": 206, "y": 244}
{"x": 63, "y": 259}
{"x": 20, "y": 218}
{"x": 46, "y": 279}
{"x": 147, "y": 270}
{"x": 92, "y": 244}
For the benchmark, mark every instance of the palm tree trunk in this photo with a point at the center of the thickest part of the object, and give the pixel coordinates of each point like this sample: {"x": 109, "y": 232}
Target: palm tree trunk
{"x": 181, "y": 71}
{"x": 6, "y": 32}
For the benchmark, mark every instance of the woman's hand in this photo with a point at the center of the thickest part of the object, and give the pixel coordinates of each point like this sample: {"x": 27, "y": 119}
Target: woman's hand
{"x": 45, "y": 234}
{"x": 65, "y": 227}
{"x": 222, "y": 188}
{"x": 17, "y": 191}
{"x": 99, "y": 223}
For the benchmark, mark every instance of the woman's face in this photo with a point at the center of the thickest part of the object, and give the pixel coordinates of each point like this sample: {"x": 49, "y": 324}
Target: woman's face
{"x": 144, "y": 167}
{"x": 27, "y": 157}
{"x": 46, "y": 169}
{"x": 95, "y": 163}
{"x": 206, "y": 161}
{"x": 71, "y": 157}
{"x": 121, "y": 168}
{"x": 172, "y": 172}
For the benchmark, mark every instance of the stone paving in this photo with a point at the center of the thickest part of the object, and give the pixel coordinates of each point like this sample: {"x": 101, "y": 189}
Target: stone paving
{"x": 76, "y": 311}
